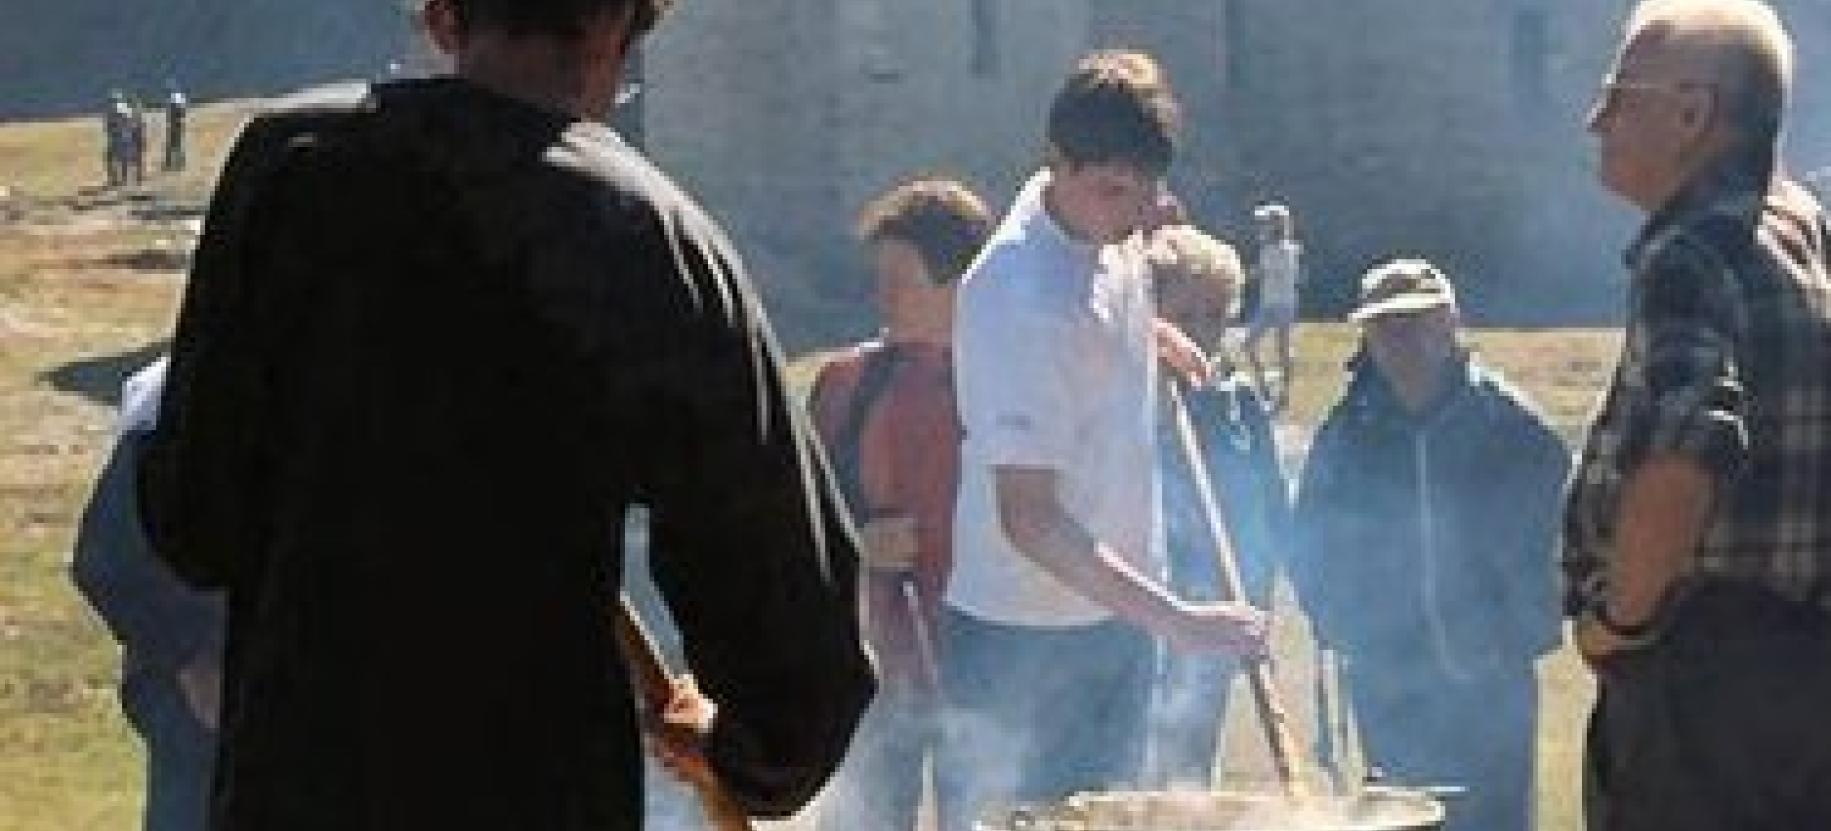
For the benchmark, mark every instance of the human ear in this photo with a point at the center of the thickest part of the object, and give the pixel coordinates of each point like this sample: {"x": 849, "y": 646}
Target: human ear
{"x": 1698, "y": 111}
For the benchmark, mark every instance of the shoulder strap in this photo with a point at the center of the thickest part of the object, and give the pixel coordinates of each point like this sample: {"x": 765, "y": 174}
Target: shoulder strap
{"x": 873, "y": 380}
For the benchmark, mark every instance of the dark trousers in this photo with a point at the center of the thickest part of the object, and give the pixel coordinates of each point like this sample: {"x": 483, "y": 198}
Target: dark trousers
{"x": 1035, "y": 714}
{"x": 180, "y": 753}
{"x": 1422, "y": 727}
{"x": 1724, "y": 723}
{"x": 881, "y": 783}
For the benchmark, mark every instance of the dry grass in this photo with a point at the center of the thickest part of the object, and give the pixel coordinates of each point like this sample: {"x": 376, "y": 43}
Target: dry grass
{"x": 84, "y": 290}
{"x": 66, "y": 759}
{"x": 62, "y": 159}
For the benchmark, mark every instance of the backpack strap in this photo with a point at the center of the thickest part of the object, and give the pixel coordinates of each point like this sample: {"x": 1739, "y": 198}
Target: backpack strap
{"x": 873, "y": 380}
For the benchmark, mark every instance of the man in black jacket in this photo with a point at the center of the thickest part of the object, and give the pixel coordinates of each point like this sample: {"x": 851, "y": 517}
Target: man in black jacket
{"x": 438, "y": 338}
{"x": 1426, "y": 530}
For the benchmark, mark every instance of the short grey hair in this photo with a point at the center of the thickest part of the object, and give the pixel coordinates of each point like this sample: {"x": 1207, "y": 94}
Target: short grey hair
{"x": 1750, "y": 51}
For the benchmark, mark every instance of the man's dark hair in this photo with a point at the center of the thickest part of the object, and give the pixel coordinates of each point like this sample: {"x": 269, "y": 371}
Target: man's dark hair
{"x": 564, "y": 19}
{"x": 1116, "y": 107}
{"x": 942, "y": 219}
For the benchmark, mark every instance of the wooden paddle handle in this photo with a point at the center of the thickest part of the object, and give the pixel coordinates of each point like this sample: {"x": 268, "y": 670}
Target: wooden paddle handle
{"x": 1292, "y": 768}
{"x": 656, "y": 686}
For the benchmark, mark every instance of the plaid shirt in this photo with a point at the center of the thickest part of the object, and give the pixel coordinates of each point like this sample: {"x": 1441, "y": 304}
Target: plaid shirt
{"x": 1727, "y": 362}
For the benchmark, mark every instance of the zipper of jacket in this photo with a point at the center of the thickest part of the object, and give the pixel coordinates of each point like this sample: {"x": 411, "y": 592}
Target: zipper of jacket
{"x": 1433, "y": 607}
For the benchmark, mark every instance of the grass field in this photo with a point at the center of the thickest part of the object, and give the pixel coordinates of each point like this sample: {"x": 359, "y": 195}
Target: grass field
{"x": 88, "y": 282}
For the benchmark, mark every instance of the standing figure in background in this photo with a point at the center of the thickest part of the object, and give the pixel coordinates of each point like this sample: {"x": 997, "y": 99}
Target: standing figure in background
{"x": 177, "y": 107}
{"x": 117, "y": 138}
{"x": 440, "y": 338}
{"x": 1197, "y": 281}
{"x": 137, "y": 141}
{"x": 1278, "y": 269}
{"x": 1698, "y": 530}
{"x": 171, "y": 635}
{"x": 1426, "y": 527}
{"x": 885, "y": 410}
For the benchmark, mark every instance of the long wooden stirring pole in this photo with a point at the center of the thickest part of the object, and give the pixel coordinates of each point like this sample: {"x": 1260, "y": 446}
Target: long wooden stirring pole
{"x": 1293, "y": 769}
{"x": 656, "y": 687}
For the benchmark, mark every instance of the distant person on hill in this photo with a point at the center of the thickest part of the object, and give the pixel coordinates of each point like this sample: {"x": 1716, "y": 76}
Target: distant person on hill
{"x": 1278, "y": 269}
{"x": 117, "y": 139}
{"x": 1426, "y": 529}
{"x": 439, "y": 339}
{"x": 137, "y": 142}
{"x": 171, "y": 635}
{"x": 177, "y": 107}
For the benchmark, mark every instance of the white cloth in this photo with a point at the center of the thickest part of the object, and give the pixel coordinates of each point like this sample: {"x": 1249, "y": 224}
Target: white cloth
{"x": 1280, "y": 268}
{"x": 1055, "y": 369}
{"x": 140, "y": 395}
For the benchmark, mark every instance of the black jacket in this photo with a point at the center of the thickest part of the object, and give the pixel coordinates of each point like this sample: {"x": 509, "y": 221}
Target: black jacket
{"x": 435, "y": 343}
{"x": 1428, "y": 542}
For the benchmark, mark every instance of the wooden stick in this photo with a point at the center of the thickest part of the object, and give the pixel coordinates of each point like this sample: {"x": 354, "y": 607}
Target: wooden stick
{"x": 1292, "y": 768}
{"x": 656, "y": 686}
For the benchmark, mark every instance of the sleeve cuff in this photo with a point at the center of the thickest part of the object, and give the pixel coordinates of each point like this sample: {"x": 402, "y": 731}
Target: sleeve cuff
{"x": 1715, "y": 440}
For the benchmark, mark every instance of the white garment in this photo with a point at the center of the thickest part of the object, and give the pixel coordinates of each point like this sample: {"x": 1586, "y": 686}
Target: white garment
{"x": 1055, "y": 368}
{"x": 1279, "y": 270}
{"x": 140, "y": 396}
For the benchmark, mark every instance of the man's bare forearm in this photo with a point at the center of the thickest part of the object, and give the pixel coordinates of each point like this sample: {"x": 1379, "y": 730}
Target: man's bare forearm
{"x": 1665, "y": 507}
{"x": 1041, "y": 530}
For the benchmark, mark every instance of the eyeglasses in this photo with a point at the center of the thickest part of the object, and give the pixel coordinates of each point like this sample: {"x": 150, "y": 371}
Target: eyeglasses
{"x": 1613, "y": 88}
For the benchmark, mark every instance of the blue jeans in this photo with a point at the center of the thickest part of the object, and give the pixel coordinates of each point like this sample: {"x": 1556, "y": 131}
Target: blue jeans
{"x": 1035, "y": 714}
{"x": 180, "y": 753}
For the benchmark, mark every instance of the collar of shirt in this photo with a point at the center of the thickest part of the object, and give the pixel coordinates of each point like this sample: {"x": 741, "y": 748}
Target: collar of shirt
{"x": 1735, "y": 189}
{"x": 1029, "y": 211}
{"x": 1376, "y": 395}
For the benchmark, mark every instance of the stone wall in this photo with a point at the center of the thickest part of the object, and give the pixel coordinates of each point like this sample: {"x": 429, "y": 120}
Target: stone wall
{"x": 786, "y": 116}
{"x": 1446, "y": 128}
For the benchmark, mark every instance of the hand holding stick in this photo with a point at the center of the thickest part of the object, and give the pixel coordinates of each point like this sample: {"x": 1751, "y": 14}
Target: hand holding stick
{"x": 671, "y": 702}
{"x": 1291, "y": 767}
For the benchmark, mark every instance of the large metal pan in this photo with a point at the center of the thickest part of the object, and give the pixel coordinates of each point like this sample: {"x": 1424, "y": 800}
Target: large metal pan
{"x": 1374, "y": 809}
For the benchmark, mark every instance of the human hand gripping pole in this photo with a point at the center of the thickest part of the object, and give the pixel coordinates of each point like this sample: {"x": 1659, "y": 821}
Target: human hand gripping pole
{"x": 1293, "y": 770}
{"x": 658, "y": 691}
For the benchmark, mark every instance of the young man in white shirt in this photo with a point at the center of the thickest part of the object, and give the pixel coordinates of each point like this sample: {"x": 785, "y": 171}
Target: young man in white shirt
{"x": 1057, "y": 587}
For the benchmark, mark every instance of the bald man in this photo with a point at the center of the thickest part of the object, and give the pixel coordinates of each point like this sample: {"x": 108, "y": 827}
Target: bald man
{"x": 1698, "y": 528}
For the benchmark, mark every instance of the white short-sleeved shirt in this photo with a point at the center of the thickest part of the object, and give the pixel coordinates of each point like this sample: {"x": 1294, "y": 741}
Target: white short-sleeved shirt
{"x": 1055, "y": 369}
{"x": 1280, "y": 267}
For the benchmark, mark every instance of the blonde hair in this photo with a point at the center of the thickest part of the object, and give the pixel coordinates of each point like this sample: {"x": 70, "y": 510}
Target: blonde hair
{"x": 1185, "y": 251}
